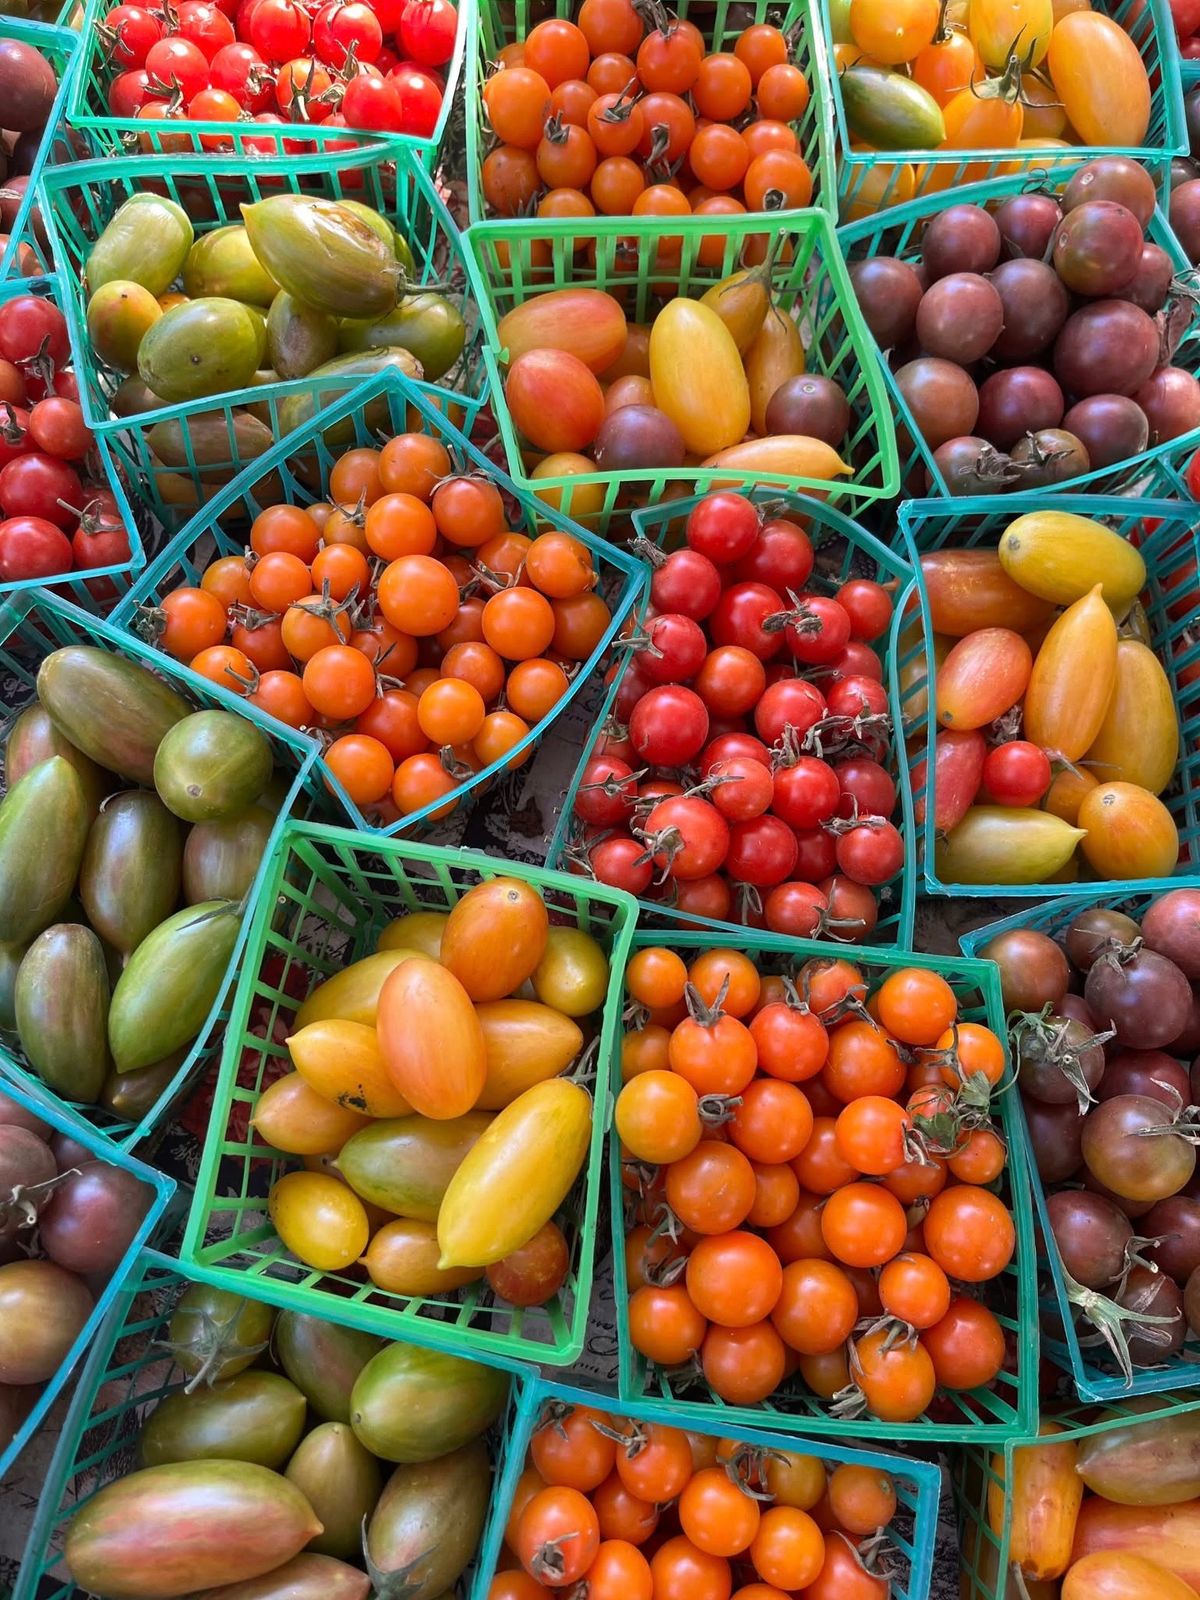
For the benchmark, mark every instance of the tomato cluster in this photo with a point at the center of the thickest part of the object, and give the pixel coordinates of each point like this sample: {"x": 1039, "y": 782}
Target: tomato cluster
{"x": 746, "y": 780}
{"x": 364, "y": 64}
{"x": 806, "y": 1172}
{"x": 607, "y": 115}
{"x": 642, "y": 1511}
{"x": 58, "y": 514}
{"x": 403, "y": 618}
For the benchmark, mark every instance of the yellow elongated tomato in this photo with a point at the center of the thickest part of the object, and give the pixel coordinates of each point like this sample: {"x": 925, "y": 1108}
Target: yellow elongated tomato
{"x": 1121, "y": 1575}
{"x": 418, "y": 930}
{"x": 495, "y": 937}
{"x": 970, "y": 589}
{"x": 293, "y": 1117}
{"x": 1100, "y": 78}
{"x": 889, "y": 184}
{"x": 319, "y": 1219}
{"x": 1073, "y": 679}
{"x": 1005, "y": 844}
{"x": 741, "y": 301}
{"x": 1044, "y": 1493}
{"x": 893, "y": 31}
{"x": 516, "y": 1176}
{"x": 351, "y": 995}
{"x": 1044, "y": 117}
{"x": 698, "y": 376}
{"x": 982, "y": 676}
{"x": 343, "y": 1063}
{"x": 1138, "y": 740}
{"x": 403, "y": 1259}
{"x": 525, "y": 1044}
{"x": 1002, "y": 28}
{"x": 431, "y": 1040}
{"x": 776, "y": 355}
{"x": 572, "y": 975}
{"x": 787, "y": 455}
{"x": 1130, "y": 833}
{"x": 1065, "y": 795}
{"x": 1060, "y": 557}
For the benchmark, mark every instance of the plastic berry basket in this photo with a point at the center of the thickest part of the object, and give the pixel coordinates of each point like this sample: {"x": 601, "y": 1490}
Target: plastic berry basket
{"x": 161, "y": 1189}
{"x": 128, "y": 1371}
{"x": 1097, "y": 1380}
{"x": 33, "y": 624}
{"x": 1005, "y": 1410}
{"x": 979, "y": 1480}
{"x": 59, "y": 46}
{"x": 496, "y": 24}
{"x": 918, "y": 1483}
{"x": 1170, "y": 551}
{"x": 88, "y": 108}
{"x": 618, "y": 254}
{"x": 327, "y": 896}
{"x": 869, "y": 180}
{"x": 843, "y": 549}
{"x": 79, "y": 199}
{"x": 388, "y": 402}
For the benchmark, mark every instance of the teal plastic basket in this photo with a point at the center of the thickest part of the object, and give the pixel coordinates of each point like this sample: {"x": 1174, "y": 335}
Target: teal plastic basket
{"x": 79, "y": 199}
{"x": 128, "y": 1371}
{"x": 1148, "y": 23}
{"x": 328, "y": 896}
{"x": 843, "y": 549}
{"x": 897, "y": 232}
{"x": 33, "y": 624}
{"x": 1170, "y": 551}
{"x": 616, "y": 254}
{"x": 161, "y": 1190}
{"x": 111, "y": 135}
{"x": 1093, "y": 1378}
{"x": 388, "y": 402}
{"x": 918, "y": 1483}
{"x": 1007, "y": 1409}
{"x": 59, "y": 45}
{"x": 496, "y": 24}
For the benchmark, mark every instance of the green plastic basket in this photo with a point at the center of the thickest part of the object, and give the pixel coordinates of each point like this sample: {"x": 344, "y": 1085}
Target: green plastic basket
{"x": 1005, "y": 1410}
{"x": 496, "y": 24}
{"x": 1148, "y": 25}
{"x": 918, "y": 1483}
{"x": 59, "y": 46}
{"x": 328, "y": 895}
{"x": 128, "y": 1371}
{"x": 897, "y": 232}
{"x": 843, "y": 549}
{"x": 391, "y": 403}
{"x": 985, "y": 1548}
{"x": 32, "y": 624}
{"x": 1094, "y": 1379}
{"x": 1170, "y": 551}
{"x": 161, "y": 1188}
{"x": 113, "y": 136}
{"x": 79, "y": 199}
{"x": 619, "y": 256}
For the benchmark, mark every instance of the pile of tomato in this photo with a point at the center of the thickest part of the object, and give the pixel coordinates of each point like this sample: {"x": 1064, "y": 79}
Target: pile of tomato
{"x": 642, "y": 1511}
{"x": 812, "y": 1181}
{"x": 402, "y": 620}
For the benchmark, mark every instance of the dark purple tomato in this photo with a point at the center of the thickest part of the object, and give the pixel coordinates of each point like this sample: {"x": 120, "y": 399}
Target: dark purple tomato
{"x": 970, "y": 465}
{"x": 14, "y": 1114}
{"x": 1033, "y": 969}
{"x": 1096, "y": 931}
{"x": 1153, "y": 1294}
{"x": 889, "y": 292}
{"x": 27, "y": 86}
{"x": 633, "y": 438}
{"x": 960, "y": 317}
{"x": 93, "y": 1217}
{"x": 1116, "y": 178}
{"x": 1152, "y": 1073}
{"x": 1091, "y": 1234}
{"x": 1184, "y": 213}
{"x": 1051, "y": 455}
{"x": 1191, "y": 1302}
{"x": 68, "y": 1152}
{"x": 1170, "y": 398}
{"x": 941, "y": 396}
{"x": 1074, "y": 1005}
{"x": 1108, "y": 347}
{"x": 1142, "y": 995}
{"x": 1187, "y": 1041}
{"x": 1097, "y": 247}
{"x": 1027, "y": 223}
{"x": 1035, "y": 307}
{"x": 1055, "y": 1133}
{"x": 960, "y": 239}
{"x": 1111, "y": 427}
{"x": 1151, "y": 281}
{"x": 810, "y": 404}
{"x": 1129, "y": 1143}
{"x": 1183, "y": 170}
{"x": 1175, "y": 1224}
{"x": 1172, "y": 927}
{"x": 1018, "y": 400}
{"x": 26, "y": 1164}
{"x": 1058, "y": 1059}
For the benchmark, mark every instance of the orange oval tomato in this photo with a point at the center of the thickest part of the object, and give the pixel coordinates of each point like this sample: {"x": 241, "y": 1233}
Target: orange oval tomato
{"x": 1001, "y": 27}
{"x": 431, "y": 1039}
{"x": 1122, "y": 1575}
{"x": 341, "y": 1061}
{"x": 1130, "y": 833}
{"x": 969, "y": 589}
{"x": 1073, "y": 679}
{"x": 495, "y": 937}
{"x": 292, "y": 1116}
{"x": 319, "y": 1219}
{"x": 587, "y": 323}
{"x": 1100, "y": 78}
{"x": 555, "y": 400}
{"x": 983, "y": 675}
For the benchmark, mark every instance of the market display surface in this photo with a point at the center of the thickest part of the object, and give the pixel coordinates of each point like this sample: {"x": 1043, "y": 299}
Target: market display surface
{"x": 600, "y": 820}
